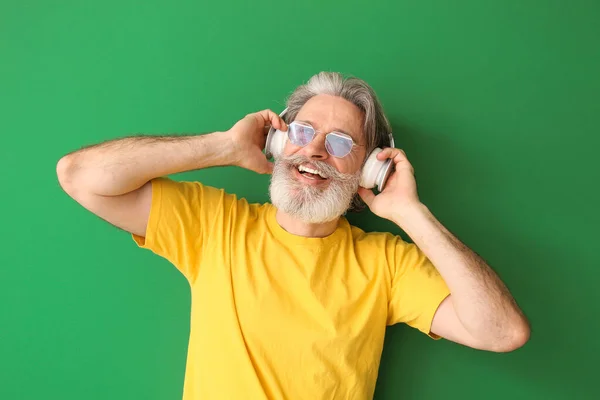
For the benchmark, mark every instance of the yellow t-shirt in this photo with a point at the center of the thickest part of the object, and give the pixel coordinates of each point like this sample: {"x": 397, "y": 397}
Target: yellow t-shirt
{"x": 280, "y": 316}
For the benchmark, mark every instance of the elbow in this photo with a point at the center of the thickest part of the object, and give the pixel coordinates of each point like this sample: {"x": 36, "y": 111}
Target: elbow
{"x": 522, "y": 334}
{"x": 63, "y": 172}
{"x": 68, "y": 174}
{"x": 517, "y": 336}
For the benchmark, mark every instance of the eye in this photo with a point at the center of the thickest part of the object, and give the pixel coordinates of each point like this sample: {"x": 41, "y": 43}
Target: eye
{"x": 300, "y": 134}
{"x": 339, "y": 145}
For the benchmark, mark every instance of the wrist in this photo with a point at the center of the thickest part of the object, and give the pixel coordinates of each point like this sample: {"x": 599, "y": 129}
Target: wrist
{"x": 409, "y": 214}
{"x": 214, "y": 150}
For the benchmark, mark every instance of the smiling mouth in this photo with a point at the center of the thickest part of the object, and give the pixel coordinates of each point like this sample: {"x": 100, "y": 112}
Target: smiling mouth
{"x": 309, "y": 172}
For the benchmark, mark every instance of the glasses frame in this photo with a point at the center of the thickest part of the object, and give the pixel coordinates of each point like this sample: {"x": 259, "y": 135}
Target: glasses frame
{"x": 334, "y": 133}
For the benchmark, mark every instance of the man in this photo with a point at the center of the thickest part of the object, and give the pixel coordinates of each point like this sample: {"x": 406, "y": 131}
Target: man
{"x": 289, "y": 301}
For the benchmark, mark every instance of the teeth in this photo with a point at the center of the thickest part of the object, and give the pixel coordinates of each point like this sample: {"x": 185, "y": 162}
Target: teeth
{"x": 312, "y": 171}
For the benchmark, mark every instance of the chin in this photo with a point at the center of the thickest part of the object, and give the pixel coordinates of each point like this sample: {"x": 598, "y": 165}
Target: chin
{"x": 307, "y": 200}
{"x": 308, "y": 209}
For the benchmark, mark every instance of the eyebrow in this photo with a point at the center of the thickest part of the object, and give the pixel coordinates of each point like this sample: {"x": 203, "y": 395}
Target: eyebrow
{"x": 335, "y": 129}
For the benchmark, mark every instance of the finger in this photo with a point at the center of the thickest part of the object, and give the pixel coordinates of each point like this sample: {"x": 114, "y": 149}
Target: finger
{"x": 389, "y": 152}
{"x": 268, "y": 168}
{"x": 263, "y": 166}
{"x": 398, "y": 156}
{"x": 384, "y": 154}
{"x": 271, "y": 118}
{"x": 366, "y": 195}
{"x": 278, "y": 122}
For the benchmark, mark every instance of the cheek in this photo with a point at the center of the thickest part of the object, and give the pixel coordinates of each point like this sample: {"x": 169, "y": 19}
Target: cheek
{"x": 350, "y": 164}
{"x": 290, "y": 149}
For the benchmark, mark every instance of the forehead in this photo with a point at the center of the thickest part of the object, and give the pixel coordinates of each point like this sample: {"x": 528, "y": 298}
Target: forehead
{"x": 332, "y": 113}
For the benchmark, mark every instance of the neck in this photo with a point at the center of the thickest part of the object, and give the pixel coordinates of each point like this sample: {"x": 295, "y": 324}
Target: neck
{"x": 301, "y": 228}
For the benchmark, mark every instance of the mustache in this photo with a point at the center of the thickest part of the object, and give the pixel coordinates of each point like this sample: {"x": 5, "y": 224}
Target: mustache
{"x": 329, "y": 171}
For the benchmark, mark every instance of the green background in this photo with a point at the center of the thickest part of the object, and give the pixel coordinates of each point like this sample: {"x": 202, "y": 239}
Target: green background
{"x": 495, "y": 103}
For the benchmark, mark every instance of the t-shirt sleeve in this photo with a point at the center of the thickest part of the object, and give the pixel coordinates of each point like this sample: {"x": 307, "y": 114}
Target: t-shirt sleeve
{"x": 181, "y": 217}
{"x": 417, "y": 288}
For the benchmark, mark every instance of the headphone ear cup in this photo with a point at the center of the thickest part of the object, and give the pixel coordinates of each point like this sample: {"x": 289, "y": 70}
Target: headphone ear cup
{"x": 375, "y": 172}
{"x": 275, "y": 140}
{"x": 275, "y": 143}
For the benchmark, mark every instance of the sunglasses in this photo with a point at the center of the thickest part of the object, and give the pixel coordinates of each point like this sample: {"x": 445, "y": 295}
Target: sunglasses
{"x": 337, "y": 144}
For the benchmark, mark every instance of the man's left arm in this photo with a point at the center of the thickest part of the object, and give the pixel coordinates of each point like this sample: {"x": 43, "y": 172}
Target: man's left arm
{"x": 480, "y": 312}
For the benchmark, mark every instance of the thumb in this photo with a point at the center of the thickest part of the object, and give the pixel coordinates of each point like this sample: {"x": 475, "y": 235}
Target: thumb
{"x": 266, "y": 167}
{"x": 366, "y": 195}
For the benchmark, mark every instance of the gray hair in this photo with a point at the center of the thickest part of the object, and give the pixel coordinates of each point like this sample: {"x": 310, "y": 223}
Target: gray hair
{"x": 376, "y": 126}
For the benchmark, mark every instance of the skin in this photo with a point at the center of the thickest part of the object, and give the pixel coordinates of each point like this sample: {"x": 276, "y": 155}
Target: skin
{"x": 480, "y": 311}
{"x": 112, "y": 180}
{"x": 325, "y": 113}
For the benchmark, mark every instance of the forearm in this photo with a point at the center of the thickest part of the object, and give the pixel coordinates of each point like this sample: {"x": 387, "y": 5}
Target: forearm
{"x": 482, "y": 302}
{"x": 122, "y": 165}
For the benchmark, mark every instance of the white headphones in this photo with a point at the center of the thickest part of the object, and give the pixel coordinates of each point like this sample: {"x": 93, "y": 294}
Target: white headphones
{"x": 374, "y": 172}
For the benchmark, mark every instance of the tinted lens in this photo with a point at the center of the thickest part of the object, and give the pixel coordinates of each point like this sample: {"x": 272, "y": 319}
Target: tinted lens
{"x": 300, "y": 135}
{"x": 338, "y": 145}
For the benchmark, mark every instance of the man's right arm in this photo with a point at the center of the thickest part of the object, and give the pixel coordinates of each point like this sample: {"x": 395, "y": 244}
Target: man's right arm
{"x": 112, "y": 179}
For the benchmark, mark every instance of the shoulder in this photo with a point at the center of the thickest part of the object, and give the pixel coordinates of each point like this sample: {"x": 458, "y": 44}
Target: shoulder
{"x": 196, "y": 188}
{"x": 361, "y": 237}
{"x": 200, "y": 197}
{"x": 392, "y": 247}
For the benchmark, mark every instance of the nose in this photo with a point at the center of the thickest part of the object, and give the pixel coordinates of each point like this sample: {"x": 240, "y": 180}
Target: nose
{"x": 316, "y": 149}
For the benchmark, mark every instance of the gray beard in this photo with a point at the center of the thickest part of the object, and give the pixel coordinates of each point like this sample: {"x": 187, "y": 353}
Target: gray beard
{"x": 307, "y": 203}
